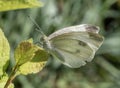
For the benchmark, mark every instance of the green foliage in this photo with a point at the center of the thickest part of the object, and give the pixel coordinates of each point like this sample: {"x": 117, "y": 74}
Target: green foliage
{"x": 25, "y": 52}
{"x": 4, "y": 53}
{"x": 29, "y": 57}
{"x": 102, "y": 72}
{"x": 6, "y": 5}
{"x": 3, "y": 81}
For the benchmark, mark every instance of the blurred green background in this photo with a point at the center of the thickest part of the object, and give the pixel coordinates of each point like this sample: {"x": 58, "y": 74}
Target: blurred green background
{"x": 102, "y": 72}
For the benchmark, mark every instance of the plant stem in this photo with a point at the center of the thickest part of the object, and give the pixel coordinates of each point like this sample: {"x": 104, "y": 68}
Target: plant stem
{"x": 11, "y": 77}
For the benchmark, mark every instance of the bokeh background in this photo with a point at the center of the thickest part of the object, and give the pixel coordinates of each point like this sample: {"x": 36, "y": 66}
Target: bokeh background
{"x": 102, "y": 72}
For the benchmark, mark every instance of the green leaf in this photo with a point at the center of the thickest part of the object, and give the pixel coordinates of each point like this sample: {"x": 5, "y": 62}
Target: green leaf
{"x": 36, "y": 64}
{"x": 30, "y": 58}
{"x": 4, "y": 52}
{"x": 6, "y": 5}
{"x": 3, "y": 81}
{"x": 25, "y": 52}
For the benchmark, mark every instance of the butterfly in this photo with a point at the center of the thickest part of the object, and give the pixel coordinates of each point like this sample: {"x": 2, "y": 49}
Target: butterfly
{"x": 74, "y": 45}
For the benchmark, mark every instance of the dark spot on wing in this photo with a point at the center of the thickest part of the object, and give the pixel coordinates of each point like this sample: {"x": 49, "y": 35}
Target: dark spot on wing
{"x": 82, "y": 43}
{"x": 93, "y": 29}
{"x": 95, "y": 37}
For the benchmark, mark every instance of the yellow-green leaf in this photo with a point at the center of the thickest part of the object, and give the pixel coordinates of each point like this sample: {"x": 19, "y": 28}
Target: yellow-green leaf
{"x": 3, "y": 81}
{"x": 6, "y": 5}
{"x": 36, "y": 64}
{"x": 25, "y": 52}
{"x": 4, "y": 52}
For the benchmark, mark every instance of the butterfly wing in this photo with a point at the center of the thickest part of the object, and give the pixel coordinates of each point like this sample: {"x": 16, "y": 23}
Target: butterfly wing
{"x": 75, "y": 47}
{"x": 72, "y": 52}
{"x": 77, "y": 28}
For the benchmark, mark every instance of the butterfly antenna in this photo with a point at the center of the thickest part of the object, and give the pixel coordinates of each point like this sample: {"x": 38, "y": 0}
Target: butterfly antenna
{"x": 38, "y": 27}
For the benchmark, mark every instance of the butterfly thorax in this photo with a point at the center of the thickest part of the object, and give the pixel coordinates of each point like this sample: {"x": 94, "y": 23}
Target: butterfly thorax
{"x": 46, "y": 43}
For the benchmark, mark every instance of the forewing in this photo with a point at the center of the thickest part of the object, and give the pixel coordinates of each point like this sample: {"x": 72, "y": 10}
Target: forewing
{"x": 77, "y": 28}
{"x": 93, "y": 40}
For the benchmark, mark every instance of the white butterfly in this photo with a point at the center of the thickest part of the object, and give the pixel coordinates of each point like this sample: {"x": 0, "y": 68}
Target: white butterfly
{"x": 74, "y": 45}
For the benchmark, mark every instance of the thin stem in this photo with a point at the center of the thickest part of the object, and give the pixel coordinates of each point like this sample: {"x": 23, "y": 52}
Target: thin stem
{"x": 11, "y": 77}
